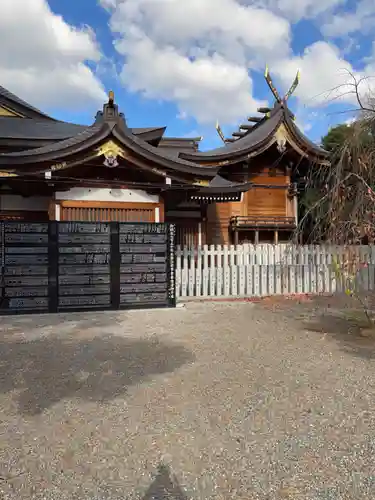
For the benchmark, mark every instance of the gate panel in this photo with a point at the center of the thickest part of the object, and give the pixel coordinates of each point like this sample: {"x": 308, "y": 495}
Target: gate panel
{"x": 78, "y": 266}
{"x": 84, "y": 257}
{"x": 145, "y": 251}
{"x": 25, "y": 267}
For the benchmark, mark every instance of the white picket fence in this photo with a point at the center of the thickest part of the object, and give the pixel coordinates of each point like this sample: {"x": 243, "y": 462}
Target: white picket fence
{"x": 262, "y": 270}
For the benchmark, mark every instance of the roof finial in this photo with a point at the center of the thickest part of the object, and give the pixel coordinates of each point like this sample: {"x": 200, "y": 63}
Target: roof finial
{"x": 269, "y": 81}
{"x": 293, "y": 86}
{"x": 274, "y": 91}
{"x": 219, "y": 131}
{"x": 111, "y": 97}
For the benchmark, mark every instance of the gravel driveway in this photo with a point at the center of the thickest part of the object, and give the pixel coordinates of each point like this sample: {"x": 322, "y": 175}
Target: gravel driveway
{"x": 210, "y": 401}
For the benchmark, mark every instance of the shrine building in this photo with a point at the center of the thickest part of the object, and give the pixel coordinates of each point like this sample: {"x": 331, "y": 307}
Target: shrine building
{"x": 244, "y": 191}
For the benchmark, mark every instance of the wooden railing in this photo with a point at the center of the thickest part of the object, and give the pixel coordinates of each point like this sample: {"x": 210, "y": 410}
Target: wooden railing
{"x": 256, "y": 222}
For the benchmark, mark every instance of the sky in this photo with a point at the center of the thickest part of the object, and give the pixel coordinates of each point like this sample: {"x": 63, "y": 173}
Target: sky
{"x": 185, "y": 64}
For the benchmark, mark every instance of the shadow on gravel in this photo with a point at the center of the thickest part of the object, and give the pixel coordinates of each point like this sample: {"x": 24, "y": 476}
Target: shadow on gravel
{"x": 164, "y": 487}
{"x": 47, "y": 370}
{"x": 346, "y": 330}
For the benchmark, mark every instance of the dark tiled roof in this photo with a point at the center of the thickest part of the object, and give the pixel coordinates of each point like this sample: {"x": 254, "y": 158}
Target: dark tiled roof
{"x": 182, "y": 142}
{"x": 82, "y": 136}
{"x": 24, "y": 128}
{"x": 256, "y": 137}
{"x": 221, "y": 185}
{"x": 92, "y": 136}
{"x": 220, "y": 182}
{"x": 6, "y": 95}
{"x": 170, "y": 152}
{"x": 246, "y": 144}
{"x": 174, "y": 161}
{"x": 139, "y": 131}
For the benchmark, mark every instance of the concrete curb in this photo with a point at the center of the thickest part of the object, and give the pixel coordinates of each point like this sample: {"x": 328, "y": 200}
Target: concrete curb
{"x": 295, "y": 296}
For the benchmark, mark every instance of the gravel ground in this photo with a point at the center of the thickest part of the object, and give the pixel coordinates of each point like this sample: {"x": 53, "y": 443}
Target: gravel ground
{"x": 211, "y": 401}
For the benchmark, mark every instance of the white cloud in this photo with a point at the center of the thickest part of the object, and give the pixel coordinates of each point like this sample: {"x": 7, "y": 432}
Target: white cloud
{"x": 347, "y": 22}
{"x": 300, "y": 9}
{"x": 324, "y": 74}
{"x": 206, "y": 88}
{"x": 43, "y": 59}
{"x": 197, "y": 53}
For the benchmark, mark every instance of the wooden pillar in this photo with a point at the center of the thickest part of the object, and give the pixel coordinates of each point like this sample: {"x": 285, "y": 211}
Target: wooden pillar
{"x": 52, "y": 209}
{"x": 256, "y": 237}
{"x": 276, "y": 238}
{"x": 161, "y": 210}
{"x": 236, "y": 237}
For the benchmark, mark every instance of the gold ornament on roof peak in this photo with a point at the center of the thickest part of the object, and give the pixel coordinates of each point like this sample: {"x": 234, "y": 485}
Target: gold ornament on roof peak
{"x": 111, "y": 151}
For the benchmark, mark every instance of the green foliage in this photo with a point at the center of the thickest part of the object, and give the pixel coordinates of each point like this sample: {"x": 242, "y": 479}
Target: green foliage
{"x": 336, "y": 137}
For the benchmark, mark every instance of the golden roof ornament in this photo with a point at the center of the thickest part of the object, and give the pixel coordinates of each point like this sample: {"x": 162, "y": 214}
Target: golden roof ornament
{"x": 111, "y": 151}
{"x": 111, "y": 97}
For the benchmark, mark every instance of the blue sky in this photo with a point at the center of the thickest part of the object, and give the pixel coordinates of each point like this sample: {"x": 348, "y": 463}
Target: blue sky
{"x": 184, "y": 65}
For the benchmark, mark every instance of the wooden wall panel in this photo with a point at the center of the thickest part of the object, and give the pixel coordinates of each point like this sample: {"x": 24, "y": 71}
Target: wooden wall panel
{"x": 106, "y": 211}
{"x": 238, "y": 208}
{"x": 267, "y": 202}
{"x": 218, "y": 215}
{"x": 278, "y": 180}
{"x": 102, "y": 214}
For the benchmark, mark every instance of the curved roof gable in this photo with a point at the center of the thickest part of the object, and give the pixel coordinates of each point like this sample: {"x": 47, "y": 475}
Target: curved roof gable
{"x": 253, "y": 139}
{"x": 44, "y": 131}
{"x": 260, "y": 137}
{"x": 109, "y": 125}
{"x": 21, "y": 107}
{"x": 246, "y": 145}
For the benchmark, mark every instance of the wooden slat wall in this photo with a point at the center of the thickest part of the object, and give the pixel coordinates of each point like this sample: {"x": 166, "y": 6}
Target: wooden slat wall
{"x": 106, "y": 211}
{"x": 107, "y": 214}
{"x": 263, "y": 202}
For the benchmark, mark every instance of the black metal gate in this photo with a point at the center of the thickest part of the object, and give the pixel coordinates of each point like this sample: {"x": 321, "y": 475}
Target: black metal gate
{"x": 78, "y": 266}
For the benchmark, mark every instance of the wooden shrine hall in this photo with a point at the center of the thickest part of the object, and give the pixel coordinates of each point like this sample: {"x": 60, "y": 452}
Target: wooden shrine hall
{"x": 244, "y": 191}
